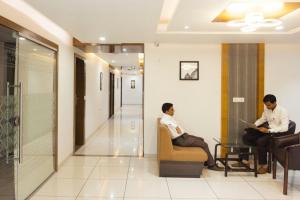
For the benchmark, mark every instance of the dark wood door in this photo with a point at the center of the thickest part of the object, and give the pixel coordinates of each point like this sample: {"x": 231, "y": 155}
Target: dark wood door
{"x": 111, "y": 94}
{"x": 80, "y": 102}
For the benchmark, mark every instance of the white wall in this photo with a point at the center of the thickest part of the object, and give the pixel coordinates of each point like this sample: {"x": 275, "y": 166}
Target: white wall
{"x": 197, "y": 103}
{"x": 132, "y": 96}
{"x": 282, "y": 77}
{"x": 96, "y": 101}
{"x": 65, "y": 75}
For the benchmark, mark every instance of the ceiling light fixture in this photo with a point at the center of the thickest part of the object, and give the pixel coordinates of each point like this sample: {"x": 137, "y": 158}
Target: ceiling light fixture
{"x": 124, "y": 49}
{"x": 254, "y": 15}
{"x": 21, "y": 38}
{"x": 253, "y": 21}
{"x": 113, "y": 61}
{"x": 102, "y": 39}
{"x": 279, "y": 28}
{"x": 186, "y": 27}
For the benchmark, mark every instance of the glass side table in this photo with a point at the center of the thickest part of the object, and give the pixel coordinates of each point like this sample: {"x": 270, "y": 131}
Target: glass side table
{"x": 233, "y": 151}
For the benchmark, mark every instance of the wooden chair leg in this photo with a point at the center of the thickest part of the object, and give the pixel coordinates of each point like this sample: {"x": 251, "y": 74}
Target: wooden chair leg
{"x": 286, "y": 176}
{"x": 274, "y": 168}
{"x": 269, "y": 162}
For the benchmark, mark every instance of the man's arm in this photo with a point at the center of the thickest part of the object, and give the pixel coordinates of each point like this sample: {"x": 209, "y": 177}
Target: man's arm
{"x": 261, "y": 120}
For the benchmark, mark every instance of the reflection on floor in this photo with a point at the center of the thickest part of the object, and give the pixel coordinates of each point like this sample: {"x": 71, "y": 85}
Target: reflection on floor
{"x": 122, "y": 135}
{"x": 133, "y": 178}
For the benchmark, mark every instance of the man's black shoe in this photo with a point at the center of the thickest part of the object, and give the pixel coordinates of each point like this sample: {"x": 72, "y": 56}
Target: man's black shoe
{"x": 215, "y": 168}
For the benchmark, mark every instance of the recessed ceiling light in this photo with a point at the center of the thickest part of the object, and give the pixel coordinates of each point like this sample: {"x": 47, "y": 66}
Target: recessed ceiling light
{"x": 279, "y": 27}
{"x": 186, "y": 27}
{"x": 21, "y": 38}
{"x": 124, "y": 49}
{"x": 113, "y": 61}
{"x": 34, "y": 49}
{"x": 102, "y": 39}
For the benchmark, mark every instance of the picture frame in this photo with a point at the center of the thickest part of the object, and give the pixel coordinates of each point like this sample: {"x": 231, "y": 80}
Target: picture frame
{"x": 189, "y": 70}
{"x": 101, "y": 78}
{"x": 132, "y": 84}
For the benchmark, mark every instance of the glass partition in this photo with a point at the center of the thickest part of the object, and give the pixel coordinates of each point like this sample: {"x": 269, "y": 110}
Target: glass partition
{"x": 36, "y": 74}
{"x": 28, "y": 97}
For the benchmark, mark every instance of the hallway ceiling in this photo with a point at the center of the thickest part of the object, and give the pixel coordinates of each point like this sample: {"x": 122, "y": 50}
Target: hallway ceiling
{"x": 136, "y": 21}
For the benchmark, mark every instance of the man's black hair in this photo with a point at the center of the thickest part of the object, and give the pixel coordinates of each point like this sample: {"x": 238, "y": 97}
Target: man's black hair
{"x": 269, "y": 98}
{"x": 166, "y": 106}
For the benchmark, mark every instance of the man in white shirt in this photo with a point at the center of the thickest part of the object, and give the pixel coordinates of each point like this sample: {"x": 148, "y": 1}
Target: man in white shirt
{"x": 181, "y": 138}
{"x": 277, "y": 124}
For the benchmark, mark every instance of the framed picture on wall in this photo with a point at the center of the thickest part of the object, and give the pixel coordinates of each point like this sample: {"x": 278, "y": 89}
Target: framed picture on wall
{"x": 101, "y": 78}
{"x": 189, "y": 70}
{"x": 132, "y": 86}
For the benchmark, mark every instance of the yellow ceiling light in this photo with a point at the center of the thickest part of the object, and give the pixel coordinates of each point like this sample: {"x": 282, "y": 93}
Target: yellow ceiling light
{"x": 141, "y": 59}
{"x": 252, "y": 15}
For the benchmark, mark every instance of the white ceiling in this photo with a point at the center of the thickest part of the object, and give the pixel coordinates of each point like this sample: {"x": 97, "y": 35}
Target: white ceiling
{"x": 121, "y": 59}
{"x": 136, "y": 21}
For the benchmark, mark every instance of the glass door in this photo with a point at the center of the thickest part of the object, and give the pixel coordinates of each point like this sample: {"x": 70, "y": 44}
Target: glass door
{"x": 9, "y": 114}
{"x": 37, "y": 78}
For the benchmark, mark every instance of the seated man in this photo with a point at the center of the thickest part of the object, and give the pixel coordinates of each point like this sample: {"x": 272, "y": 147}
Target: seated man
{"x": 278, "y": 122}
{"x": 180, "y": 138}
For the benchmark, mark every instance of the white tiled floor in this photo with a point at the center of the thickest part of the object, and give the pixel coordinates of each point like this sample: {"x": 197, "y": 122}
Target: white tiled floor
{"x": 132, "y": 178}
{"x": 122, "y": 135}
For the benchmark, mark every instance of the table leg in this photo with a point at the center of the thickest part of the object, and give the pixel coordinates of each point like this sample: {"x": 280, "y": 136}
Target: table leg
{"x": 226, "y": 164}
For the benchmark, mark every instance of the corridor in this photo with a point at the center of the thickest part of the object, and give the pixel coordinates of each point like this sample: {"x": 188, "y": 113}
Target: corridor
{"x": 121, "y": 135}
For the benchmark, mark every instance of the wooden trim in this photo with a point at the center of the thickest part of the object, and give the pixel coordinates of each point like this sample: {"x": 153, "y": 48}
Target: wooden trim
{"x": 83, "y": 46}
{"x": 78, "y": 44}
{"x": 224, "y": 96}
{"x": 79, "y": 56}
{"x": 27, "y": 33}
{"x": 260, "y": 78}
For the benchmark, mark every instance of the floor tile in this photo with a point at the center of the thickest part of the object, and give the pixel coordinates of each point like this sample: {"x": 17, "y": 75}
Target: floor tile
{"x": 273, "y": 190}
{"x": 52, "y": 198}
{"x": 82, "y": 161}
{"x": 103, "y": 188}
{"x": 147, "y": 189}
{"x": 234, "y": 190}
{"x": 74, "y": 172}
{"x": 109, "y": 172}
{"x": 114, "y": 161}
{"x": 61, "y": 187}
{"x": 190, "y": 189}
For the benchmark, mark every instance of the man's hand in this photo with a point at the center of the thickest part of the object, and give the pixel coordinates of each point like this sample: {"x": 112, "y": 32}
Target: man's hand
{"x": 178, "y": 130}
{"x": 263, "y": 130}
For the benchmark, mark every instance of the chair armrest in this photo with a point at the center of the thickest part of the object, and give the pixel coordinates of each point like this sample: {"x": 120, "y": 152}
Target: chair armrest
{"x": 295, "y": 147}
{"x": 284, "y": 141}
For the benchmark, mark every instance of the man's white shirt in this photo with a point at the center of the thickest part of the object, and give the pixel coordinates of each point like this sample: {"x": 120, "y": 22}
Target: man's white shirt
{"x": 172, "y": 124}
{"x": 277, "y": 119}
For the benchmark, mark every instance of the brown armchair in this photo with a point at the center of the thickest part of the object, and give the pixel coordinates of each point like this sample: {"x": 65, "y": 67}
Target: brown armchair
{"x": 286, "y": 151}
{"x": 291, "y": 130}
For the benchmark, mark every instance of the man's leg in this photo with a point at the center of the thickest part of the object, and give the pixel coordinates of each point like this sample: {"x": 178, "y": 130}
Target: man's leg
{"x": 193, "y": 141}
{"x": 262, "y": 148}
{"x": 250, "y": 139}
